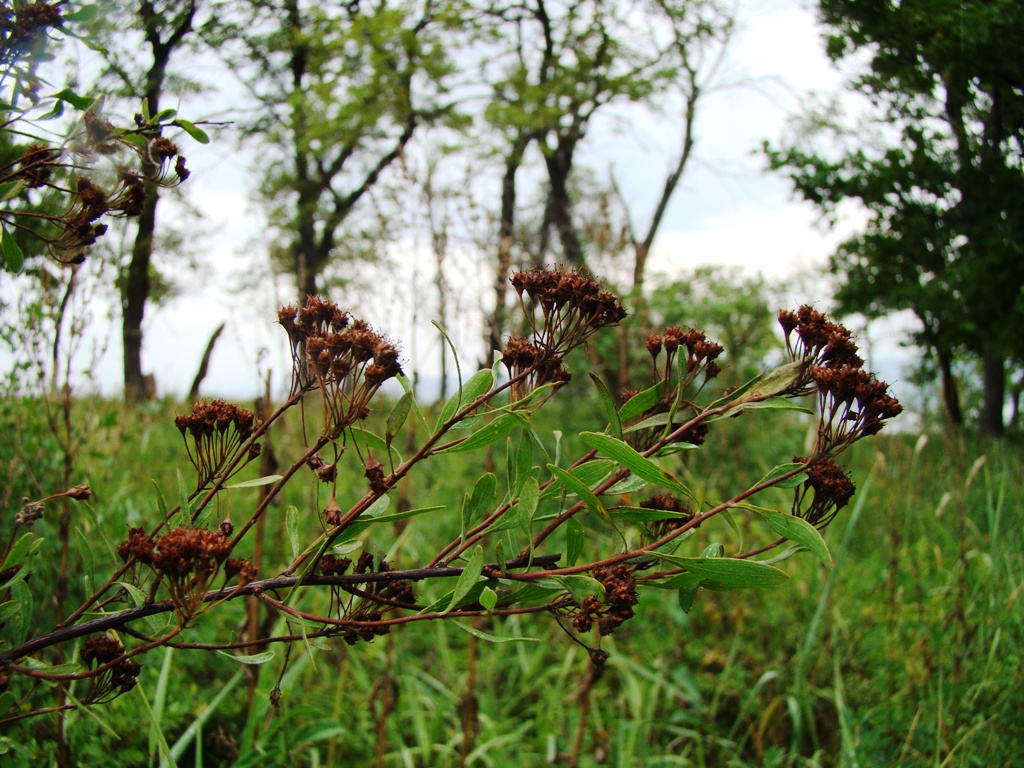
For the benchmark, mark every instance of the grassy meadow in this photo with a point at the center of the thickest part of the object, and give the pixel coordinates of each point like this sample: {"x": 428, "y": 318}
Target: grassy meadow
{"x": 908, "y": 652}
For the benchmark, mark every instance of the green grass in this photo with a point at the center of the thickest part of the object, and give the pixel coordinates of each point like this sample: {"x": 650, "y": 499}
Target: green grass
{"x": 909, "y": 652}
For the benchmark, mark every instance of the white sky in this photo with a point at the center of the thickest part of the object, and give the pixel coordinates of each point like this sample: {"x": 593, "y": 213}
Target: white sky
{"x": 725, "y": 212}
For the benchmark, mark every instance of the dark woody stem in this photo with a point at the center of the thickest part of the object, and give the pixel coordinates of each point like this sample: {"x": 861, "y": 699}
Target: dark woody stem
{"x": 121, "y": 618}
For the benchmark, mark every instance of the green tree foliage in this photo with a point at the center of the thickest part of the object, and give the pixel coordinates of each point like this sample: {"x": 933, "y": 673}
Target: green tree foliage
{"x": 735, "y": 309}
{"x": 936, "y": 160}
{"x": 554, "y": 67}
{"x": 341, "y": 90}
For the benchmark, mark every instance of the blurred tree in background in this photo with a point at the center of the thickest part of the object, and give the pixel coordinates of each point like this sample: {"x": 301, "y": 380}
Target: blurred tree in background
{"x": 934, "y": 155}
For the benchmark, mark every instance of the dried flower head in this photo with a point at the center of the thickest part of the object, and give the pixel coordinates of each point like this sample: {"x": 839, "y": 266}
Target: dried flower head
{"x": 122, "y": 675}
{"x": 826, "y": 490}
{"x": 213, "y": 433}
{"x": 619, "y": 598}
{"x": 188, "y": 560}
{"x": 530, "y": 366}
{"x": 344, "y": 358}
{"x": 564, "y": 307}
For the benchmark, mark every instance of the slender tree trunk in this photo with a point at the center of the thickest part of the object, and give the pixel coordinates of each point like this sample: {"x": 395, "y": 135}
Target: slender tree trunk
{"x": 994, "y": 384}
{"x": 137, "y": 284}
{"x": 950, "y": 392}
{"x": 559, "y": 165}
{"x": 506, "y": 238}
{"x": 134, "y": 296}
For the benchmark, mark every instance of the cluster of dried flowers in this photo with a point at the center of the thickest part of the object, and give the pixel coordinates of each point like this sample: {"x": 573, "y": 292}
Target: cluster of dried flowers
{"x": 852, "y": 402}
{"x": 563, "y": 308}
{"x": 187, "y": 560}
{"x": 617, "y": 607}
{"x": 120, "y": 677}
{"x": 213, "y": 433}
{"x": 688, "y": 356}
{"x": 341, "y": 356}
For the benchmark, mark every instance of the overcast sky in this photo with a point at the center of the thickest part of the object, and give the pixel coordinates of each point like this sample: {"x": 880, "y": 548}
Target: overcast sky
{"x": 726, "y": 212}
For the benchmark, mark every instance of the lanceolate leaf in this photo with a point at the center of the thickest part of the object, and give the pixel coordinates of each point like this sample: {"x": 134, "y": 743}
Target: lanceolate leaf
{"x": 491, "y": 433}
{"x": 493, "y": 638}
{"x": 634, "y": 462}
{"x": 196, "y": 133}
{"x": 725, "y": 573}
{"x": 397, "y": 417}
{"x": 266, "y": 480}
{"x": 798, "y": 530}
{"x": 590, "y": 474}
{"x": 468, "y": 578}
{"x": 641, "y": 402}
{"x": 608, "y": 403}
{"x": 254, "y": 659}
{"x": 576, "y": 486}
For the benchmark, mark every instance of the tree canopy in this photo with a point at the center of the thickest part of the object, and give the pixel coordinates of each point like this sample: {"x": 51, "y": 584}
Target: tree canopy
{"x": 934, "y": 155}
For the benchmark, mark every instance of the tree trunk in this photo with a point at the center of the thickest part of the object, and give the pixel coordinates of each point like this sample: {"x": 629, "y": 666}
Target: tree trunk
{"x": 506, "y": 238}
{"x": 134, "y": 296}
{"x": 559, "y": 165}
{"x": 137, "y": 285}
{"x": 950, "y": 393}
{"x": 994, "y": 384}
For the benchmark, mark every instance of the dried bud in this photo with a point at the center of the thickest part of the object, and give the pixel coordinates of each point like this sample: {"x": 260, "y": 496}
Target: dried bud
{"x": 79, "y": 493}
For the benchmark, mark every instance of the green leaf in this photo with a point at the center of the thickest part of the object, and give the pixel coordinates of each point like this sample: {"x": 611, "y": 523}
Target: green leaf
{"x": 641, "y": 402}
{"x": 83, "y": 15}
{"x": 445, "y": 412}
{"x": 252, "y": 660}
{"x": 581, "y": 587}
{"x": 488, "y": 598}
{"x": 161, "y": 502}
{"x": 500, "y": 428}
{"x": 256, "y": 483}
{"x": 291, "y": 524}
{"x": 469, "y": 577}
{"x": 575, "y": 537}
{"x": 726, "y": 573}
{"x": 532, "y": 593}
{"x": 643, "y": 515}
{"x": 633, "y": 461}
{"x": 85, "y": 551}
{"x": 407, "y": 386}
{"x": 378, "y": 443}
{"x": 608, "y": 403}
{"x": 81, "y": 103}
{"x": 164, "y": 115}
{"x": 183, "y": 502}
{"x": 483, "y": 494}
{"x": 527, "y": 507}
{"x": 779, "y": 404}
{"x": 524, "y": 462}
{"x": 576, "y": 486}
{"x": 13, "y": 256}
{"x": 773, "y": 383}
{"x": 686, "y": 596}
{"x": 591, "y": 474}
{"x": 18, "y": 551}
{"x": 783, "y": 556}
{"x": 365, "y": 520}
{"x": 493, "y": 638}
{"x": 397, "y": 417}
{"x": 798, "y": 530}
{"x": 7, "y": 610}
{"x": 196, "y": 133}
{"x": 11, "y": 189}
